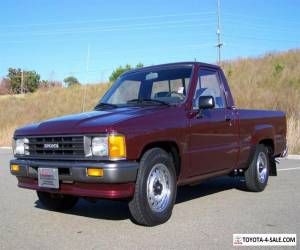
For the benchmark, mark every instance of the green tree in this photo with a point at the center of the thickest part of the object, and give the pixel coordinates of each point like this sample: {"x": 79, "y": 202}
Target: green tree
{"x": 120, "y": 70}
{"x": 139, "y": 65}
{"x": 14, "y": 75}
{"x": 279, "y": 67}
{"x": 71, "y": 81}
{"x": 31, "y": 80}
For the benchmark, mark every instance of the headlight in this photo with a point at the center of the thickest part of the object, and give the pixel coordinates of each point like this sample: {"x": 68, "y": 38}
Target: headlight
{"x": 20, "y": 146}
{"x": 112, "y": 146}
{"x": 100, "y": 146}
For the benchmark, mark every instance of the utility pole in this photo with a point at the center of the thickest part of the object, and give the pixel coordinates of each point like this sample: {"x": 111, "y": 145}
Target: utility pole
{"x": 86, "y": 77}
{"x": 219, "y": 44}
{"x": 22, "y": 81}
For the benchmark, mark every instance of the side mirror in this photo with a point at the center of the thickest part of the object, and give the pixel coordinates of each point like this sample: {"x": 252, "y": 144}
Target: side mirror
{"x": 206, "y": 102}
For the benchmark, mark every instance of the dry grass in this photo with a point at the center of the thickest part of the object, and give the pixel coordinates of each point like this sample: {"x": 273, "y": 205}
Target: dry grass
{"x": 19, "y": 110}
{"x": 268, "y": 82}
{"x": 255, "y": 83}
{"x": 293, "y": 135}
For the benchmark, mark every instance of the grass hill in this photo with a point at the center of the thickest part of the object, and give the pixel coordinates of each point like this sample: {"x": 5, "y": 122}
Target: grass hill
{"x": 271, "y": 81}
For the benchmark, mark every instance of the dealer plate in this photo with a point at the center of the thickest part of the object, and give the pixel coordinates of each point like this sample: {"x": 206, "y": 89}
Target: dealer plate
{"x": 48, "y": 178}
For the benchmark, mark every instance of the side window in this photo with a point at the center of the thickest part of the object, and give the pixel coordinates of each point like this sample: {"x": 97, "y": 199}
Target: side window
{"x": 209, "y": 85}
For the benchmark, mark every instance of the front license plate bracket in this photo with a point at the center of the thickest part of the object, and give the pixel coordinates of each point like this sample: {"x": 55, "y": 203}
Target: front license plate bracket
{"x": 48, "y": 178}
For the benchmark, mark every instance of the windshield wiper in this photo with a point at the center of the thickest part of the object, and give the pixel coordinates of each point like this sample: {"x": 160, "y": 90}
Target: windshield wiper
{"x": 105, "y": 105}
{"x": 142, "y": 100}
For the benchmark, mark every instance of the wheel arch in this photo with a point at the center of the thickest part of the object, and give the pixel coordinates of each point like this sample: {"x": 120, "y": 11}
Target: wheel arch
{"x": 264, "y": 133}
{"x": 269, "y": 143}
{"x": 170, "y": 147}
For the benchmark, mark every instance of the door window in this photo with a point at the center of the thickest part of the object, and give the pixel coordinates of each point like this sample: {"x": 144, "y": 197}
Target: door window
{"x": 209, "y": 85}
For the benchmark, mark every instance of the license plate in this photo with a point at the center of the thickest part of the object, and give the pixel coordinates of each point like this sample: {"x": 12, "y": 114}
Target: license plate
{"x": 48, "y": 178}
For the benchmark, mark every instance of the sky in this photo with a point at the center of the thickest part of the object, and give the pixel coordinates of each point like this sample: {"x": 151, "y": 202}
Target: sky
{"x": 89, "y": 39}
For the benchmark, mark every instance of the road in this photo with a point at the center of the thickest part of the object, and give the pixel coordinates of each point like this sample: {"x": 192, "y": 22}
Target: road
{"x": 204, "y": 217}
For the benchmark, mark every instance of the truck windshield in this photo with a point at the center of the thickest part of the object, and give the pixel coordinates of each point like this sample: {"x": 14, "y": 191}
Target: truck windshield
{"x": 149, "y": 87}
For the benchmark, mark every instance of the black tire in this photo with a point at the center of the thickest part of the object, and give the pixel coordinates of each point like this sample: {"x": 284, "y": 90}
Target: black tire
{"x": 254, "y": 181}
{"x": 139, "y": 206}
{"x": 57, "y": 202}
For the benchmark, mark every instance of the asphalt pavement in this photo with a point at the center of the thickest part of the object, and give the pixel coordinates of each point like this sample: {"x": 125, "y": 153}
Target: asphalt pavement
{"x": 204, "y": 217}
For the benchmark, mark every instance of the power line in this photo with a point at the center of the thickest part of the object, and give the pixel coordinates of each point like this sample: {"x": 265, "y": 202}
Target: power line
{"x": 85, "y": 39}
{"x": 246, "y": 16}
{"x": 258, "y": 27}
{"x": 261, "y": 39}
{"x": 108, "y": 20}
{"x": 115, "y": 28}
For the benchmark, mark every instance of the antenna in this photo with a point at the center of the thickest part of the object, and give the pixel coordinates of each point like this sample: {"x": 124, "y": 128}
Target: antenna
{"x": 219, "y": 44}
{"x": 86, "y": 77}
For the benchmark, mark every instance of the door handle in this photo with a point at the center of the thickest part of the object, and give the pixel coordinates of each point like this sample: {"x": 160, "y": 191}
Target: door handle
{"x": 227, "y": 118}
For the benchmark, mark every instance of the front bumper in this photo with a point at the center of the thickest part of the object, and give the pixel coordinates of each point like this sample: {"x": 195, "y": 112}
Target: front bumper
{"x": 117, "y": 181}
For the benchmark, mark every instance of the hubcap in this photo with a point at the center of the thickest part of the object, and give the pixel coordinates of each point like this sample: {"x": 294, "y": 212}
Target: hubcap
{"x": 262, "y": 169}
{"x": 159, "y": 187}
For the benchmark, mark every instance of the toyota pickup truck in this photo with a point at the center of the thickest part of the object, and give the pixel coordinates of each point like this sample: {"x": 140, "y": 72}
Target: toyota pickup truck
{"x": 155, "y": 129}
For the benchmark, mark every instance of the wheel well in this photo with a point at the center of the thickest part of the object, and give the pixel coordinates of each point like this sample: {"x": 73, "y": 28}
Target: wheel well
{"x": 269, "y": 144}
{"x": 171, "y": 148}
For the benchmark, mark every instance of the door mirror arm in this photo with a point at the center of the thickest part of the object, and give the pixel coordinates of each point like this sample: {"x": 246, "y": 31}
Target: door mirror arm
{"x": 205, "y": 102}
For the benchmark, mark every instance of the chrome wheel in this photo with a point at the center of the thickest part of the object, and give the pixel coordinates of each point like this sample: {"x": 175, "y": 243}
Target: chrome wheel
{"x": 159, "y": 187}
{"x": 262, "y": 167}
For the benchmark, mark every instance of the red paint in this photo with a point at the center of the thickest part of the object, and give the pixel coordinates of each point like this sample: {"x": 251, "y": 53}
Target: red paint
{"x": 110, "y": 191}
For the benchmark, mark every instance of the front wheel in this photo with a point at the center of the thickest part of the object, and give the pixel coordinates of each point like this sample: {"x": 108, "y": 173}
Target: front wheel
{"x": 155, "y": 190}
{"x": 257, "y": 175}
{"x": 57, "y": 202}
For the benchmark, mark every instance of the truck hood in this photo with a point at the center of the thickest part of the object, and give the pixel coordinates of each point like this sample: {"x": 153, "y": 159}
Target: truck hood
{"x": 89, "y": 122}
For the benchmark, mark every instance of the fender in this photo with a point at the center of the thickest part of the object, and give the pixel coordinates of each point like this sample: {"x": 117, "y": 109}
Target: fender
{"x": 262, "y": 132}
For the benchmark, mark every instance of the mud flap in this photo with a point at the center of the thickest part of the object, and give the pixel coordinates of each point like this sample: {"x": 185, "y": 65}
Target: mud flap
{"x": 273, "y": 167}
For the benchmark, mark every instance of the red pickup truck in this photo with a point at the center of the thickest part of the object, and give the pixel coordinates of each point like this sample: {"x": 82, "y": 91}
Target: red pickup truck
{"x": 155, "y": 129}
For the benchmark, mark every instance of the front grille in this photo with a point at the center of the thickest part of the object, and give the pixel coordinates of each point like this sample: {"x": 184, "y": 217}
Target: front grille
{"x": 56, "y": 146}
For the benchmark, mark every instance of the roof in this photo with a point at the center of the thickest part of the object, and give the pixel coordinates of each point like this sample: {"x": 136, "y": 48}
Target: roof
{"x": 167, "y": 65}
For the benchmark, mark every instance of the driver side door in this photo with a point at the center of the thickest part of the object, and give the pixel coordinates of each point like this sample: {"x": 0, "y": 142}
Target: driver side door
{"x": 213, "y": 137}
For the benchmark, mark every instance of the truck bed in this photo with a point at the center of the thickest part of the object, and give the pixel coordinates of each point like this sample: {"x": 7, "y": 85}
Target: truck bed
{"x": 255, "y": 124}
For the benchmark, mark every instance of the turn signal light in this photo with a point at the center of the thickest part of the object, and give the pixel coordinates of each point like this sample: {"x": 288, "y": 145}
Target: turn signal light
{"x": 117, "y": 146}
{"x": 96, "y": 172}
{"x": 15, "y": 168}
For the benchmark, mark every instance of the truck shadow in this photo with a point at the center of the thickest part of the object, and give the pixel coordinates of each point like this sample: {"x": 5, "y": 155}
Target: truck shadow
{"x": 100, "y": 209}
{"x": 208, "y": 187}
{"x": 118, "y": 210}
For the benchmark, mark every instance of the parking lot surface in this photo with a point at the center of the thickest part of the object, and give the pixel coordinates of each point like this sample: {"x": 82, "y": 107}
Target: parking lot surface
{"x": 204, "y": 217}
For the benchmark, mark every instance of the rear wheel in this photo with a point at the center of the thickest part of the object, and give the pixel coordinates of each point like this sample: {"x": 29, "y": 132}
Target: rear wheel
{"x": 155, "y": 190}
{"x": 257, "y": 174}
{"x": 57, "y": 202}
